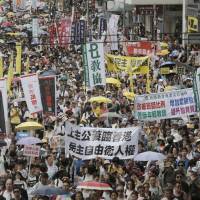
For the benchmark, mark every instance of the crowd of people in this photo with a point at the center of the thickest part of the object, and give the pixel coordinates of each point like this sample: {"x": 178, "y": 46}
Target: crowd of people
{"x": 175, "y": 178}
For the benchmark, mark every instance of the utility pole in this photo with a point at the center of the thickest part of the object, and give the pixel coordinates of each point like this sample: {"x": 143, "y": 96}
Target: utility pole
{"x": 184, "y": 29}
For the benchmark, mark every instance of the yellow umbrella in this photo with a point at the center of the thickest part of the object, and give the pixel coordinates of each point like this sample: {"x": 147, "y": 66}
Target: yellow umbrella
{"x": 29, "y": 126}
{"x": 164, "y": 45}
{"x": 13, "y": 34}
{"x": 100, "y": 99}
{"x": 129, "y": 95}
{"x": 113, "y": 81}
{"x": 163, "y": 52}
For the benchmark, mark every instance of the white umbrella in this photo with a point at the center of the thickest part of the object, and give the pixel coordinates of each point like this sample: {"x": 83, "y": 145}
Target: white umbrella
{"x": 149, "y": 156}
{"x": 29, "y": 141}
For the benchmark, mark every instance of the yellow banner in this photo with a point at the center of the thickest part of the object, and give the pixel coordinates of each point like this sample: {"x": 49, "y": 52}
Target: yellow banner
{"x": 192, "y": 24}
{"x": 125, "y": 63}
{"x": 19, "y": 58}
{"x": 141, "y": 70}
{"x": 1, "y": 67}
{"x": 10, "y": 73}
{"x": 167, "y": 70}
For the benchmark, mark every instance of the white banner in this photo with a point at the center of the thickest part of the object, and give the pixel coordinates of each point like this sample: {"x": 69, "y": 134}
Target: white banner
{"x": 165, "y": 105}
{"x": 196, "y": 88}
{"x": 31, "y": 150}
{"x": 35, "y": 31}
{"x": 95, "y": 64}
{"x": 89, "y": 143}
{"x": 3, "y": 89}
{"x": 30, "y": 85}
{"x": 112, "y": 31}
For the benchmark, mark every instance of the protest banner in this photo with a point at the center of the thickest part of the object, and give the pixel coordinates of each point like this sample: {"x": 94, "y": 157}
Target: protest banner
{"x": 192, "y": 24}
{"x": 112, "y": 30}
{"x": 30, "y": 85}
{"x": 2, "y": 117}
{"x": 48, "y": 94}
{"x": 64, "y": 29}
{"x": 31, "y": 150}
{"x": 124, "y": 63}
{"x": 140, "y": 48}
{"x": 94, "y": 67}
{"x": 165, "y": 105}
{"x": 4, "y": 107}
{"x": 35, "y": 30}
{"x": 89, "y": 143}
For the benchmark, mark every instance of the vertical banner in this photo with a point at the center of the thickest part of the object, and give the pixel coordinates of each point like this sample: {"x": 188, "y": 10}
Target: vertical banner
{"x": 73, "y": 33}
{"x": 77, "y": 33}
{"x": 52, "y": 34}
{"x": 18, "y": 58}
{"x": 102, "y": 26}
{"x": 82, "y": 31}
{"x": 10, "y": 73}
{"x": 30, "y": 85}
{"x": 48, "y": 94}
{"x": 1, "y": 66}
{"x": 2, "y": 115}
{"x": 196, "y": 89}
{"x": 94, "y": 61}
{"x": 64, "y": 30}
{"x": 3, "y": 90}
{"x": 35, "y": 31}
{"x": 112, "y": 31}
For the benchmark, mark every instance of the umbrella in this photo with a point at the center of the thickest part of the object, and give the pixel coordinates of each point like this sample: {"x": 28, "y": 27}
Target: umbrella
{"x": 93, "y": 185}
{"x": 100, "y": 99}
{"x": 64, "y": 78}
{"x": 129, "y": 95}
{"x": 111, "y": 115}
{"x": 149, "y": 156}
{"x": 163, "y": 52}
{"x": 7, "y": 24}
{"x": 168, "y": 63}
{"x": 29, "y": 141}
{"x": 46, "y": 190}
{"x": 113, "y": 81}
{"x": 164, "y": 45}
{"x": 29, "y": 126}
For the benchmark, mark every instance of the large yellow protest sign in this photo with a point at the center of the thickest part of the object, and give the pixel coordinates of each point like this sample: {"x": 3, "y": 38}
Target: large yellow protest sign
{"x": 125, "y": 63}
{"x": 192, "y": 24}
{"x": 1, "y": 66}
{"x": 10, "y": 73}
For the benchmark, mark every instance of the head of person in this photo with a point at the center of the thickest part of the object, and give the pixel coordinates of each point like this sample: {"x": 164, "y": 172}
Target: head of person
{"x": 66, "y": 185}
{"x": 114, "y": 195}
{"x": 179, "y": 177}
{"x": 133, "y": 196}
{"x": 140, "y": 190}
{"x": 50, "y": 160}
{"x": 9, "y": 185}
{"x": 17, "y": 192}
{"x": 168, "y": 192}
{"x": 120, "y": 190}
{"x": 44, "y": 178}
{"x": 152, "y": 180}
{"x": 130, "y": 184}
{"x": 79, "y": 196}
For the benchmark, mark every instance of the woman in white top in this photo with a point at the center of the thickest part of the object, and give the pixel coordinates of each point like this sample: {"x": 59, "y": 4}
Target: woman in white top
{"x": 8, "y": 192}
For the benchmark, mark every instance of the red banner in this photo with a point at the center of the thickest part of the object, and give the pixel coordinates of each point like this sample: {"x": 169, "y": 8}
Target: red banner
{"x": 64, "y": 31}
{"x": 140, "y": 48}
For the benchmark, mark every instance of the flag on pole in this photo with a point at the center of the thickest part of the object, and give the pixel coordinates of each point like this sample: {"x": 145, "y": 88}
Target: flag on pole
{"x": 192, "y": 24}
{"x": 10, "y": 73}
{"x": 1, "y": 67}
{"x": 19, "y": 58}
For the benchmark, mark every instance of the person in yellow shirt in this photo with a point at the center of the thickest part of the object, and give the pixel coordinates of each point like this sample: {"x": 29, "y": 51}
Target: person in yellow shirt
{"x": 15, "y": 115}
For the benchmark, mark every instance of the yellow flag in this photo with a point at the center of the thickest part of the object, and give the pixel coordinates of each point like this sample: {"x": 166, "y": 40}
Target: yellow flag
{"x": 148, "y": 85}
{"x": 192, "y": 24}
{"x": 27, "y": 65}
{"x": 19, "y": 58}
{"x": 10, "y": 73}
{"x": 1, "y": 67}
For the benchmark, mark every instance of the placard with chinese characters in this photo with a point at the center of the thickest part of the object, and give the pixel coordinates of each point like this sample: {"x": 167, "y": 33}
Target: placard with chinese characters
{"x": 89, "y": 143}
{"x": 165, "y": 105}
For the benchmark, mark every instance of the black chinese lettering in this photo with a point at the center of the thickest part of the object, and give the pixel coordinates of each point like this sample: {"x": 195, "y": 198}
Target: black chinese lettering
{"x": 72, "y": 147}
{"x": 109, "y": 150}
{"x": 119, "y": 151}
{"x": 77, "y": 135}
{"x": 106, "y": 136}
{"x": 130, "y": 150}
{"x": 86, "y": 136}
{"x": 89, "y": 150}
{"x": 127, "y": 136}
{"x": 79, "y": 149}
{"x": 97, "y": 136}
{"x": 98, "y": 150}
